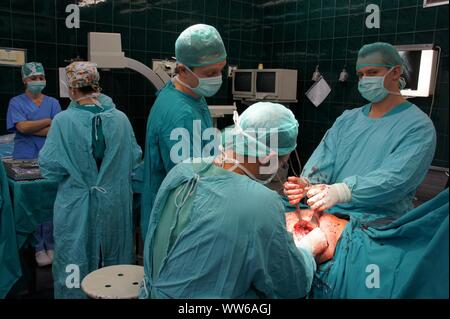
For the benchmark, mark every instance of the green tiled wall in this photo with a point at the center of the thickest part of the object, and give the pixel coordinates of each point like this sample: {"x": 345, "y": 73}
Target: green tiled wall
{"x": 284, "y": 33}
{"x": 149, "y": 29}
{"x": 301, "y": 34}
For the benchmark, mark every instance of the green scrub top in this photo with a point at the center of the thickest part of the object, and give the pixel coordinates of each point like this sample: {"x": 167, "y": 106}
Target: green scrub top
{"x": 399, "y": 108}
{"x": 173, "y": 110}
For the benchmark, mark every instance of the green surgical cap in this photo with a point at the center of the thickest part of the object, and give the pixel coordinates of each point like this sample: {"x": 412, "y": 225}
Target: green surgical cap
{"x": 31, "y": 69}
{"x": 379, "y": 54}
{"x": 200, "y": 45}
{"x": 263, "y": 127}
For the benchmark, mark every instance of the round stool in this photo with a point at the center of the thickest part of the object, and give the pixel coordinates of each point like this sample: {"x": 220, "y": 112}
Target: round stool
{"x": 114, "y": 282}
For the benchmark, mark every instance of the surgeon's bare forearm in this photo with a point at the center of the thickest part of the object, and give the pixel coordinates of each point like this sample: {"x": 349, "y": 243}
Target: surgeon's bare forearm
{"x": 42, "y": 132}
{"x": 31, "y": 127}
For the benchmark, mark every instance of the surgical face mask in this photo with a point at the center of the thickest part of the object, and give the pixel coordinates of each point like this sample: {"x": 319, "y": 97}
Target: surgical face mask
{"x": 206, "y": 86}
{"x": 36, "y": 87}
{"x": 372, "y": 88}
{"x": 226, "y": 159}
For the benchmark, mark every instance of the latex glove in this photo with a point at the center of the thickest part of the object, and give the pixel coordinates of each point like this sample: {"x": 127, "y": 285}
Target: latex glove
{"x": 322, "y": 196}
{"x": 295, "y": 189}
{"x": 315, "y": 242}
{"x": 311, "y": 216}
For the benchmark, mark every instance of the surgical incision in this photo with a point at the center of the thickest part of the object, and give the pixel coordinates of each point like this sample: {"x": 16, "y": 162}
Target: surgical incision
{"x": 331, "y": 225}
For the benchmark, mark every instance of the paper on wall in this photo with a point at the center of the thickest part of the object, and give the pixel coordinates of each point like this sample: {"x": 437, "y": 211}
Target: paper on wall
{"x": 318, "y": 92}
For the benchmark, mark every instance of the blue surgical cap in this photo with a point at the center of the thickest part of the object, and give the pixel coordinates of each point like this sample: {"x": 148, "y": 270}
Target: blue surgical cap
{"x": 200, "y": 45}
{"x": 259, "y": 127}
{"x": 379, "y": 54}
{"x": 32, "y": 69}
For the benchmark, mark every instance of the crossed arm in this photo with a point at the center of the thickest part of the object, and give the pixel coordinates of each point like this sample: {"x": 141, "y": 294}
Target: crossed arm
{"x": 39, "y": 127}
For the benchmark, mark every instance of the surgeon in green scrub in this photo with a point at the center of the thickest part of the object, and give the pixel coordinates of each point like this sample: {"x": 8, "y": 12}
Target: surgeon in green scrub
{"x": 181, "y": 104}
{"x": 216, "y": 231}
{"x": 371, "y": 161}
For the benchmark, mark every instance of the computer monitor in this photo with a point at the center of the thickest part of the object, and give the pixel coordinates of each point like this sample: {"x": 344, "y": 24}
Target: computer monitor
{"x": 276, "y": 85}
{"x": 266, "y": 82}
{"x": 243, "y": 83}
{"x": 421, "y": 64}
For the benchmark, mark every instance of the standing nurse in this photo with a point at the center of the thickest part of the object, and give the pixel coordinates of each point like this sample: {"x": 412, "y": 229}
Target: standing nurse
{"x": 29, "y": 116}
{"x": 373, "y": 158}
{"x": 181, "y": 104}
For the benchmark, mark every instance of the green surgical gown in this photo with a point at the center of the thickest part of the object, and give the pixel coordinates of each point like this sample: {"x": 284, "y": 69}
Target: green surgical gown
{"x": 93, "y": 219}
{"x": 232, "y": 242}
{"x": 382, "y": 160}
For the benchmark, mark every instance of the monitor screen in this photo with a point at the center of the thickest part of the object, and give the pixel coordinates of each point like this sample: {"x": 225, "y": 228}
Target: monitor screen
{"x": 412, "y": 61}
{"x": 243, "y": 81}
{"x": 265, "y": 82}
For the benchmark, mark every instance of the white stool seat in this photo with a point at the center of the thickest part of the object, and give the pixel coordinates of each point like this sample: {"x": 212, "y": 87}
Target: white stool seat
{"x": 114, "y": 282}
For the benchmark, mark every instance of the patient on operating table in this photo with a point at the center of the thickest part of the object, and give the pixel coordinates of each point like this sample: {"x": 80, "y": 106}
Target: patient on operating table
{"x": 302, "y": 222}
